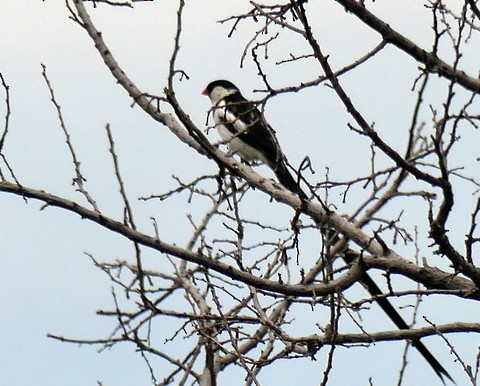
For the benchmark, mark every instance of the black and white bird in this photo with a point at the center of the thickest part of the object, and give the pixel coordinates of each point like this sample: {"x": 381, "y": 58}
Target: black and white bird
{"x": 244, "y": 129}
{"x": 246, "y": 132}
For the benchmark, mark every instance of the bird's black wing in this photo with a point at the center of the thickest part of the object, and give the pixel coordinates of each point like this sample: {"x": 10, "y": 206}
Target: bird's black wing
{"x": 242, "y": 118}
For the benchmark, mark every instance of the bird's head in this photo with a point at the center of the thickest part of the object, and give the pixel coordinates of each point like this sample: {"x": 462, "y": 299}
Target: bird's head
{"x": 219, "y": 89}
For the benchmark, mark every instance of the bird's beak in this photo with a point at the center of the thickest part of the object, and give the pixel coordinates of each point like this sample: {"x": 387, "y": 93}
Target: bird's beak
{"x": 205, "y": 92}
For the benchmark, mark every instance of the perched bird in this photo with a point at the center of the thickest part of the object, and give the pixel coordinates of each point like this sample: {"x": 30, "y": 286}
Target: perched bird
{"x": 245, "y": 130}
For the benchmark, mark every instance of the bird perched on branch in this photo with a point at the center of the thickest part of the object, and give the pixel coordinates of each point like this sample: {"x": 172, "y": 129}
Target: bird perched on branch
{"x": 244, "y": 129}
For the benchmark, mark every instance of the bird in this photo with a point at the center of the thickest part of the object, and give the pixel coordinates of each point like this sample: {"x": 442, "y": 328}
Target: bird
{"x": 246, "y": 132}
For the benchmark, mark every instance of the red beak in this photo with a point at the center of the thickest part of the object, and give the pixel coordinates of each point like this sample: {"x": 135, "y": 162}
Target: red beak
{"x": 205, "y": 92}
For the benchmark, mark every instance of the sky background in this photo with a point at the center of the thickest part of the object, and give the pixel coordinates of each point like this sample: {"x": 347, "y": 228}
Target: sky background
{"x": 47, "y": 281}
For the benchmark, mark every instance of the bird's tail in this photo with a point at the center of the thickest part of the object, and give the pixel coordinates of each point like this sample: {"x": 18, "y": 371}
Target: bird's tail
{"x": 401, "y": 324}
{"x": 286, "y": 179}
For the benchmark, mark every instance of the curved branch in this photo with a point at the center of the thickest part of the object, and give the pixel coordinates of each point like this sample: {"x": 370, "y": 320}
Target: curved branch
{"x": 344, "y": 281}
{"x": 431, "y": 61}
{"x": 430, "y": 277}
